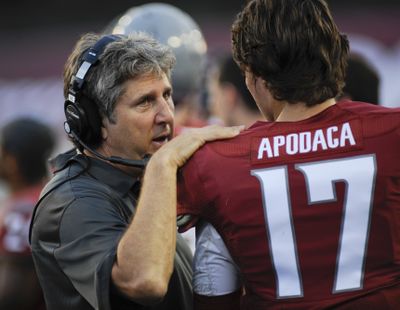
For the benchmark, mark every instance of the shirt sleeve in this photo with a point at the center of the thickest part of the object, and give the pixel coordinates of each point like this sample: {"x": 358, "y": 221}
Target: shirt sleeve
{"x": 90, "y": 230}
{"x": 215, "y": 272}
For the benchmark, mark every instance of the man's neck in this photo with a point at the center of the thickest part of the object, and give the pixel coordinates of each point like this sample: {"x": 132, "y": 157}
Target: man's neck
{"x": 300, "y": 111}
{"x": 133, "y": 171}
{"x": 244, "y": 117}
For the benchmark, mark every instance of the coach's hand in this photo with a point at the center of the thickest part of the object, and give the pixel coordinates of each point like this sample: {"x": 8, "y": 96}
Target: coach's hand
{"x": 177, "y": 151}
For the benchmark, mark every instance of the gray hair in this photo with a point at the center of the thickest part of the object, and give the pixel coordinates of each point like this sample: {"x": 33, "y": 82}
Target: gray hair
{"x": 128, "y": 58}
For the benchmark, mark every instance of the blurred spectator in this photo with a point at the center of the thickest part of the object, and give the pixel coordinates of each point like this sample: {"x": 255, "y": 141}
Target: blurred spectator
{"x": 230, "y": 99}
{"x": 362, "y": 80}
{"x": 25, "y": 145}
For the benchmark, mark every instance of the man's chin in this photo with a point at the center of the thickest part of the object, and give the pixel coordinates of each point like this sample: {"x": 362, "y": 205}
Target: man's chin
{"x": 152, "y": 149}
{"x": 155, "y": 146}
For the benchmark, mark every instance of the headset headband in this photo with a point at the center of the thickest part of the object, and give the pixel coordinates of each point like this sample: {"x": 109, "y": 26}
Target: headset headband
{"x": 89, "y": 59}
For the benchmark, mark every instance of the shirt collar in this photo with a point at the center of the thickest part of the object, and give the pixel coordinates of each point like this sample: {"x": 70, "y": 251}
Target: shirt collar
{"x": 101, "y": 170}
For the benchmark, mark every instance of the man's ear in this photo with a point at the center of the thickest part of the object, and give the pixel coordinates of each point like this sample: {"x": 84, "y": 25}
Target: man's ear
{"x": 104, "y": 128}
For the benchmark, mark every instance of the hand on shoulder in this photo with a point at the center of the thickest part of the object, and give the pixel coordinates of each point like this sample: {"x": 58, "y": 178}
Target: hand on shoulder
{"x": 177, "y": 151}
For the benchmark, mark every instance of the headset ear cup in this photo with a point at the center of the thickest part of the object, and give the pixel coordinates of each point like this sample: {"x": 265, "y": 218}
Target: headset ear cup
{"x": 82, "y": 115}
{"x": 84, "y": 120}
{"x": 93, "y": 122}
{"x": 75, "y": 116}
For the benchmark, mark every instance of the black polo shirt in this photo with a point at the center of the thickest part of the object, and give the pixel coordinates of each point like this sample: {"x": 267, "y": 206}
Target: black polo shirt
{"x": 82, "y": 214}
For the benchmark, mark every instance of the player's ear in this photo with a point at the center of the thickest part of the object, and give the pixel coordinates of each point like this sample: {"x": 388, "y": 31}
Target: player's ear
{"x": 263, "y": 82}
{"x": 104, "y": 128}
{"x": 104, "y": 133}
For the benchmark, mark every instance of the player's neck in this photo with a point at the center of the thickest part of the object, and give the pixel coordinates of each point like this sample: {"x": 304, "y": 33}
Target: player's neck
{"x": 244, "y": 117}
{"x": 300, "y": 111}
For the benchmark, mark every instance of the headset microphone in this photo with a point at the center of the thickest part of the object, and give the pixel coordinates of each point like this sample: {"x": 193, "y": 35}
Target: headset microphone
{"x": 141, "y": 163}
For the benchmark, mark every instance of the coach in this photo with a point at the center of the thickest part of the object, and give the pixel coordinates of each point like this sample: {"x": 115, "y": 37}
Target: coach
{"x": 104, "y": 231}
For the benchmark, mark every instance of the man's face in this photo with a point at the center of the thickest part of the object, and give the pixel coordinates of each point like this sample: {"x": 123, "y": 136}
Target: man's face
{"x": 144, "y": 118}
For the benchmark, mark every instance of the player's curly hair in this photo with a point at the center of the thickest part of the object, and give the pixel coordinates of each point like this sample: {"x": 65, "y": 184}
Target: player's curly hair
{"x": 294, "y": 46}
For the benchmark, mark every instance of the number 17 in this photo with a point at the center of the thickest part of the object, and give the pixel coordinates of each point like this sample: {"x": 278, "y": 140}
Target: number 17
{"x": 359, "y": 175}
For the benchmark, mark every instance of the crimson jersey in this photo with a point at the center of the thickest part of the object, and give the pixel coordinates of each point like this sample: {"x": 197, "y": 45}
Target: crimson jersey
{"x": 15, "y": 217}
{"x": 309, "y": 210}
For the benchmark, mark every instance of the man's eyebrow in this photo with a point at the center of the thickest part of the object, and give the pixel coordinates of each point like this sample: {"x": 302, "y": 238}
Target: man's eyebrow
{"x": 143, "y": 96}
{"x": 168, "y": 88}
{"x": 151, "y": 93}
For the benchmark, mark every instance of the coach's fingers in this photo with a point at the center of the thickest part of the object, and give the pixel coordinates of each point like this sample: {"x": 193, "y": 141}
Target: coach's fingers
{"x": 194, "y": 139}
{"x": 178, "y": 150}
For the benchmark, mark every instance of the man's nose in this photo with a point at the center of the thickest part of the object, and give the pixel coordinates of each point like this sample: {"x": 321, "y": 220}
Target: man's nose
{"x": 165, "y": 113}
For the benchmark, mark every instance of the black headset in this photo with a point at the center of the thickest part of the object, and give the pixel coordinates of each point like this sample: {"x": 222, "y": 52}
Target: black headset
{"x": 83, "y": 121}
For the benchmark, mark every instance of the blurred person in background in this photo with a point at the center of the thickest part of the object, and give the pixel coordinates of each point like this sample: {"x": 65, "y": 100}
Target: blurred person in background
{"x": 230, "y": 100}
{"x": 175, "y": 28}
{"x": 25, "y": 146}
{"x": 362, "y": 80}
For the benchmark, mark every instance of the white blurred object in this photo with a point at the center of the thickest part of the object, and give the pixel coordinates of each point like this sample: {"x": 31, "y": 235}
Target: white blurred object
{"x": 387, "y": 63}
{"x": 175, "y": 28}
{"x": 41, "y": 99}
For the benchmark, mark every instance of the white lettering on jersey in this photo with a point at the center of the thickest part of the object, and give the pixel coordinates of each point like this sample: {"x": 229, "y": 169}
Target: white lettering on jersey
{"x": 346, "y": 134}
{"x": 265, "y": 146}
{"x": 306, "y": 142}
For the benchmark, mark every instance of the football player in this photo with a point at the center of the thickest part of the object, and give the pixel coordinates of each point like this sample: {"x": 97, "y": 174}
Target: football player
{"x": 307, "y": 206}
